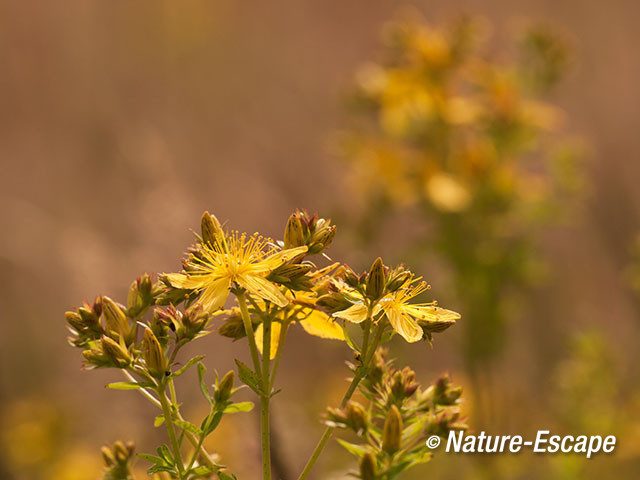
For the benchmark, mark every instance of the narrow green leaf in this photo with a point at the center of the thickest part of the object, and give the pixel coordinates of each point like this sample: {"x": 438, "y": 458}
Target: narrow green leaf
{"x": 347, "y": 337}
{"x": 127, "y": 385}
{"x": 188, "y": 365}
{"x": 203, "y": 384}
{"x": 224, "y": 476}
{"x": 210, "y": 423}
{"x": 165, "y": 453}
{"x": 353, "y": 449}
{"x": 188, "y": 427}
{"x": 249, "y": 377}
{"x": 239, "y": 407}
{"x": 151, "y": 458}
{"x": 203, "y": 470}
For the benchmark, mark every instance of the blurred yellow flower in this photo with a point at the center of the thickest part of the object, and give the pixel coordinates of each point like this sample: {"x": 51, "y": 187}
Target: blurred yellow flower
{"x": 447, "y": 193}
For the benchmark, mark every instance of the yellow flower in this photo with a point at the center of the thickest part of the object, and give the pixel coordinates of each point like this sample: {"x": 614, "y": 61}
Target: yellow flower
{"x": 405, "y": 318}
{"x": 245, "y": 260}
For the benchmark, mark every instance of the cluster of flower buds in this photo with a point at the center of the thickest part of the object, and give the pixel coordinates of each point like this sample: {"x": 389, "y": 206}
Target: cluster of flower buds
{"x": 186, "y": 325}
{"x": 105, "y": 330}
{"x": 398, "y": 418}
{"x": 373, "y": 285}
{"x": 117, "y": 460}
{"x": 310, "y": 231}
{"x": 106, "y": 317}
{"x": 353, "y": 417}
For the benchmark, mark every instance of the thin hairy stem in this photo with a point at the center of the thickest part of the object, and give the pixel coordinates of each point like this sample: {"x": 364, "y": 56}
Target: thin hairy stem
{"x": 168, "y": 420}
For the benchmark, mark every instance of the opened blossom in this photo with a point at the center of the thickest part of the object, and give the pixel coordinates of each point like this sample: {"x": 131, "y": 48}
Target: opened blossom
{"x": 238, "y": 258}
{"x": 407, "y": 319}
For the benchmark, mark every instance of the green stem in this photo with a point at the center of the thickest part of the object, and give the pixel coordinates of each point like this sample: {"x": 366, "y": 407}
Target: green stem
{"x": 365, "y": 338}
{"x": 264, "y": 399}
{"x": 359, "y": 375}
{"x": 248, "y": 327}
{"x": 168, "y": 420}
{"x": 196, "y": 444}
{"x": 195, "y": 453}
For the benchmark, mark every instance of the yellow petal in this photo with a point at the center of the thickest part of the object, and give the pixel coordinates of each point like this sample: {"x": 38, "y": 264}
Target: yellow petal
{"x": 178, "y": 280}
{"x": 355, "y": 313}
{"x": 262, "y": 288}
{"x": 215, "y": 294}
{"x": 404, "y": 325}
{"x": 275, "y": 337}
{"x": 275, "y": 260}
{"x": 321, "y": 325}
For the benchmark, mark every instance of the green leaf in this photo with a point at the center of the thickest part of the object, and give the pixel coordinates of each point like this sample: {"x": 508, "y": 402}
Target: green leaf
{"x": 224, "y": 476}
{"x": 188, "y": 427}
{"x": 165, "y": 453}
{"x": 128, "y": 385}
{"x": 239, "y": 407}
{"x": 203, "y": 470}
{"x": 150, "y": 458}
{"x": 249, "y": 377}
{"x": 347, "y": 337}
{"x": 352, "y": 448}
{"x": 189, "y": 364}
{"x": 158, "y": 421}
{"x": 203, "y": 384}
{"x": 210, "y": 423}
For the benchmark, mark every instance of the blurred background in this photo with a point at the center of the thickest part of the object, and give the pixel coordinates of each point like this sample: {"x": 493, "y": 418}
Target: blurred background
{"x": 122, "y": 121}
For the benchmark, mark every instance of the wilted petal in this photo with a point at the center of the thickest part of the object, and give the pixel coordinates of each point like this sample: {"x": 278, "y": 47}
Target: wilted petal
{"x": 321, "y": 325}
{"x": 276, "y": 327}
{"x": 355, "y": 313}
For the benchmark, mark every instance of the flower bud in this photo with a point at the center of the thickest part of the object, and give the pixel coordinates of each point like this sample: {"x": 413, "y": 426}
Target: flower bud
{"x": 392, "y": 431}
{"x": 224, "y": 387}
{"x": 376, "y": 280}
{"x": 115, "y": 352}
{"x": 97, "y": 306}
{"x": 356, "y": 417}
{"x": 107, "y": 456}
{"x": 397, "y": 279}
{"x": 75, "y": 320}
{"x": 135, "y": 299}
{"x": 294, "y": 232}
{"x": 322, "y": 238}
{"x": 351, "y": 278}
{"x": 368, "y": 467}
{"x": 211, "y": 229}
{"x": 233, "y": 327}
{"x": 87, "y": 315}
{"x": 397, "y": 385}
{"x": 115, "y": 319}
{"x": 333, "y": 302}
{"x": 153, "y": 354}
